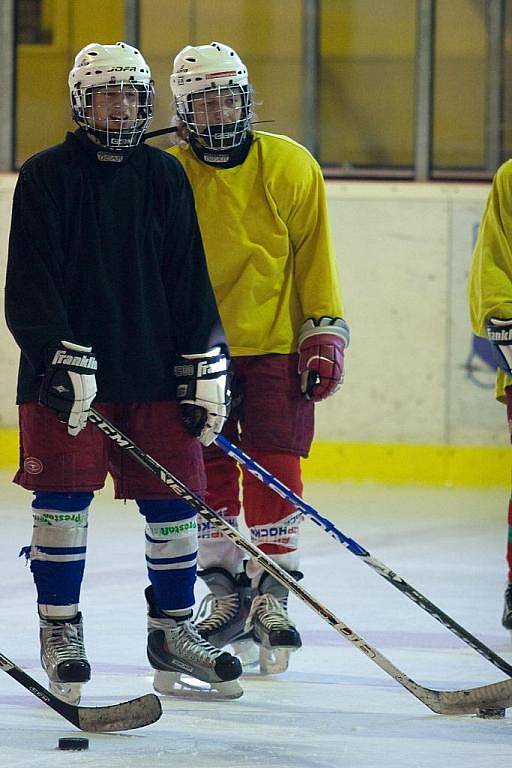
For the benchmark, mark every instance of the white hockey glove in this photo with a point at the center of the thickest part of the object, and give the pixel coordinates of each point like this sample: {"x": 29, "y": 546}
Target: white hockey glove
{"x": 499, "y": 333}
{"x": 202, "y": 390}
{"x": 69, "y": 384}
{"x": 321, "y": 350}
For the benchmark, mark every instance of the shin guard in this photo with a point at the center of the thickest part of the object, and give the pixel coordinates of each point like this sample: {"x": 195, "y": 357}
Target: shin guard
{"x": 58, "y": 550}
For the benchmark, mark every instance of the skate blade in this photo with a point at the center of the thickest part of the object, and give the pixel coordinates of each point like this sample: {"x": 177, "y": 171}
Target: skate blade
{"x": 186, "y": 687}
{"x": 71, "y": 693}
{"x": 273, "y": 661}
{"x": 248, "y": 653}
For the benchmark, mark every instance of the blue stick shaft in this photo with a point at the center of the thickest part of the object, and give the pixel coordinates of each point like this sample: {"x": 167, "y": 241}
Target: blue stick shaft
{"x": 286, "y": 493}
{"x": 393, "y": 578}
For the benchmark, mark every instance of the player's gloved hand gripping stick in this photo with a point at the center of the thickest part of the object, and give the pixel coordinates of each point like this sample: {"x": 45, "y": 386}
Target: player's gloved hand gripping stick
{"x": 69, "y": 383}
{"x": 202, "y": 392}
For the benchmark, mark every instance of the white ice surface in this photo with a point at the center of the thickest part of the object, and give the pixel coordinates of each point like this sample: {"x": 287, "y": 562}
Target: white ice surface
{"x": 334, "y": 707}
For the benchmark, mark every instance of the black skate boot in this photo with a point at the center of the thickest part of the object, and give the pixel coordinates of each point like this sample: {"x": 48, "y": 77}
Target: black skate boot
{"x": 177, "y": 652}
{"x": 63, "y": 656}
{"x": 506, "y": 619}
{"x": 272, "y": 628}
{"x": 229, "y": 602}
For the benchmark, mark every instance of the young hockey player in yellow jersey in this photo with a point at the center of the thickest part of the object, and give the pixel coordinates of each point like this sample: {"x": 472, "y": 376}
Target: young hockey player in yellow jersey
{"x": 490, "y": 300}
{"x": 262, "y": 212}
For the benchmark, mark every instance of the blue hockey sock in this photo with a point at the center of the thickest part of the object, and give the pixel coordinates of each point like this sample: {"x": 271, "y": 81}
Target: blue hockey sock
{"x": 171, "y": 552}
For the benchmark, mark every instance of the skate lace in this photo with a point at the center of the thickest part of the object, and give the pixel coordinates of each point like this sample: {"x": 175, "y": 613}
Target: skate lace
{"x": 222, "y": 609}
{"x": 63, "y": 642}
{"x": 188, "y": 643}
{"x": 270, "y": 612}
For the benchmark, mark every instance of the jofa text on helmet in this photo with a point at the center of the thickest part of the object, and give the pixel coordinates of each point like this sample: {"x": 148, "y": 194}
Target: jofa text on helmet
{"x": 122, "y": 69}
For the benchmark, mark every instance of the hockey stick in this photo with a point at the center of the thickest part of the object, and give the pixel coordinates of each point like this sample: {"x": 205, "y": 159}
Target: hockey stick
{"x": 118, "y": 717}
{"x": 174, "y": 129}
{"x": 488, "y": 698}
{"x": 356, "y": 549}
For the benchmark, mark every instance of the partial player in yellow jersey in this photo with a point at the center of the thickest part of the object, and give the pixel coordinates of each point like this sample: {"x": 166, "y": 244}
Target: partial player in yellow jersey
{"x": 490, "y": 299}
{"x": 261, "y": 206}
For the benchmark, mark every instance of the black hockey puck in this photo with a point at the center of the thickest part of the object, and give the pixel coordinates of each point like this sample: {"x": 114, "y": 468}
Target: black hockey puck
{"x": 75, "y": 745}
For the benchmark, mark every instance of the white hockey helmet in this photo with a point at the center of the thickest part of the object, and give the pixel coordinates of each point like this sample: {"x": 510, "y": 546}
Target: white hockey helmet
{"x": 103, "y": 68}
{"x": 201, "y": 73}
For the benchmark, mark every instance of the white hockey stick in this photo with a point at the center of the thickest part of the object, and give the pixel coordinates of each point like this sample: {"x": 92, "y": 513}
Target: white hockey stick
{"x": 485, "y": 700}
{"x": 117, "y": 717}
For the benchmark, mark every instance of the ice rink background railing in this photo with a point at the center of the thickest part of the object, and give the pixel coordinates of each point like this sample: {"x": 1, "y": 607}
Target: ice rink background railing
{"x": 417, "y": 404}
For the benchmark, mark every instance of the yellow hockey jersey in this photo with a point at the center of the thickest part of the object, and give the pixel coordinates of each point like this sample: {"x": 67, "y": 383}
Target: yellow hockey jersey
{"x": 490, "y": 277}
{"x": 268, "y": 245}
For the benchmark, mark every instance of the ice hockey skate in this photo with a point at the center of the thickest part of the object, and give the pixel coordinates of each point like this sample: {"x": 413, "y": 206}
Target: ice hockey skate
{"x": 271, "y": 626}
{"x": 185, "y": 664}
{"x": 63, "y": 657}
{"x": 506, "y": 619}
{"x": 228, "y": 603}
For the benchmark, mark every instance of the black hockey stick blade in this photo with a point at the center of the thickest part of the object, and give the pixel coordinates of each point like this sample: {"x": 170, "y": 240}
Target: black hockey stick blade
{"x": 497, "y": 696}
{"x": 117, "y": 717}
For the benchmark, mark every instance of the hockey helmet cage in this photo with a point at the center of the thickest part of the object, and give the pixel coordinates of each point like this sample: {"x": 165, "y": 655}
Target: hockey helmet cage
{"x": 201, "y": 73}
{"x": 99, "y": 68}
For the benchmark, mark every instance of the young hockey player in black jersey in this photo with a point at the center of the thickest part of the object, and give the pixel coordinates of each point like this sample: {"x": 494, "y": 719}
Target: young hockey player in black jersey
{"x": 109, "y": 299}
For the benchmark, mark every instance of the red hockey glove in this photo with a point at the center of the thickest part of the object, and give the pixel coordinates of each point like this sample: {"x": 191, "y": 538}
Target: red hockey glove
{"x": 321, "y": 350}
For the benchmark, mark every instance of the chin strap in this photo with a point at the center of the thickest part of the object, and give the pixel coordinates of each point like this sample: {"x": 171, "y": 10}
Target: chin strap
{"x": 222, "y": 158}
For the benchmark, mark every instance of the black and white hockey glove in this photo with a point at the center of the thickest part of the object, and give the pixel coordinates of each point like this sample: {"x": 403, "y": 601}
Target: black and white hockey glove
{"x": 202, "y": 390}
{"x": 69, "y": 384}
{"x": 499, "y": 333}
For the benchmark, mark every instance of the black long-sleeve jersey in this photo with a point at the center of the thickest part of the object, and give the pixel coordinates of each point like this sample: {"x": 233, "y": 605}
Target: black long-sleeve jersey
{"x": 108, "y": 254}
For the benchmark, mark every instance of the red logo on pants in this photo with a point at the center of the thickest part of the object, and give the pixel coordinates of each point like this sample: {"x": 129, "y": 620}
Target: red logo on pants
{"x": 33, "y": 466}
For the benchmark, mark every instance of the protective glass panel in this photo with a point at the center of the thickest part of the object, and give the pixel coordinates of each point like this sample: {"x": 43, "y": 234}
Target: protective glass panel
{"x": 507, "y": 83}
{"x": 459, "y": 85}
{"x": 49, "y": 33}
{"x": 267, "y": 36}
{"x": 34, "y": 22}
{"x": 366, "y": 89}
